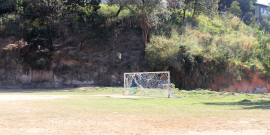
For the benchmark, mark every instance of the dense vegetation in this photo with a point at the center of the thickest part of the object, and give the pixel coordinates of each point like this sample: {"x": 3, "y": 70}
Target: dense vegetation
{"x": 194, "y": 40}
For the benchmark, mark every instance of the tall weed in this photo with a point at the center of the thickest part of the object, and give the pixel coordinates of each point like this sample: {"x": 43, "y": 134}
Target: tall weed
{"x": 224, "y": 40}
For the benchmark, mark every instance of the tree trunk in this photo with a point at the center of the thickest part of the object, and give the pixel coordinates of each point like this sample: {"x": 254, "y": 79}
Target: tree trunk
{"x": 145, "y": 29}
{"x": 50, "y": 43}
{"x": 195, "y": 6}
{"x": 113, "y": 54}
{"x": 119, "y": 10}
{"x": 80, "y": 48}
{"x": 19, "y": 48}
{"x": 81, "y": 43}
{"x": 145, "y": 33}
{"x": 49, "y": 35}
{"x": 184, "y": 17}
{"x": 144, "y": 26}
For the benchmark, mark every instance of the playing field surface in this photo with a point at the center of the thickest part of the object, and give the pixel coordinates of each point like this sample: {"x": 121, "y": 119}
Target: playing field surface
{"x": 90, "y": 110}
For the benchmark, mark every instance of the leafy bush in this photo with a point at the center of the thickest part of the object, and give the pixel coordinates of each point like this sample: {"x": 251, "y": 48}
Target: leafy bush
{"x": 9, "y": 25}
{"x": 224, "y": 43}
{"x": 263, "y": 54}
{"x": 249, "y": 18}
{"x": 111, "y": 10}
{"x": 265, "y": 24}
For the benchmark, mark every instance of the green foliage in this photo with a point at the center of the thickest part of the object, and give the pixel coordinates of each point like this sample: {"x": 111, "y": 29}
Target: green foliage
{"x": 150, "y": 13}
{"x": 225, "y": 40}
{"x": 207, "y": 44}
{"x": 245, "y": 5}
{"x": 6, "y": 6}
{"x": 265, "y": 23}
{"x": 263, "y": 54}
{"x": 206, "y": 7}
{"x": 235, "y": 9}
{"x": 10, "y": 25}
{"x": 110, "y": 11}
{"x": 37, "y": 61}
{"x": 249, "y": 18}
{"x": 89, "y": 24}
{"x": 176, "y": 16}
{"x": 162, "y": 50}
{"x": 223, "y": 4}
{"x": 173, "y": 86}
{"x": 39, "y": 23}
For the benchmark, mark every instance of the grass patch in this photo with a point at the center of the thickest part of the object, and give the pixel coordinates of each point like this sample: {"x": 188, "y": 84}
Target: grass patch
{"x": 84, "y": 109}
{"x": 199, "y": 99}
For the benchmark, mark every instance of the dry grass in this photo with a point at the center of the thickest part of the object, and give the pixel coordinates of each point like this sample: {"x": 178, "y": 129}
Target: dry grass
{"x": 197, "y": 112}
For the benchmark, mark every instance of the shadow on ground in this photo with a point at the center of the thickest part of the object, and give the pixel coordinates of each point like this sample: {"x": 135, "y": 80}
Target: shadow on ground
{"x": 246, "y": 104}
{"x": 31, "y": 90}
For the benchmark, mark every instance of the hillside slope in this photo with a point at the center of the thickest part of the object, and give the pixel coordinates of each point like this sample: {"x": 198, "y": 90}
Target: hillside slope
{"x": 217, "y": 54}
{"x": 220, "y": 53}
{"x": 70, "y": 66}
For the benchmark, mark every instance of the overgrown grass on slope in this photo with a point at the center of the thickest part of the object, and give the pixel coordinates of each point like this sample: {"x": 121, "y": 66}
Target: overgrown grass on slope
{"x": 224, "y": 38}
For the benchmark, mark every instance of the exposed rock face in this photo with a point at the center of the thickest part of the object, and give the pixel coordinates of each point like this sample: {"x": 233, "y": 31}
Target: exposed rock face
{"x": 255, "y": 84}
{"x": 259, "y": 90}
{"x": 96, "y": 64}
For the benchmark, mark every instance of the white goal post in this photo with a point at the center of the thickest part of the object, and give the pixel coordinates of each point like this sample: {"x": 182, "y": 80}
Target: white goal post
{"x": 147, "y": 83}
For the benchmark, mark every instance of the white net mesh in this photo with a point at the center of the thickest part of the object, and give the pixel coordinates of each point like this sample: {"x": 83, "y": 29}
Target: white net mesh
{"x": 147, "y": 83}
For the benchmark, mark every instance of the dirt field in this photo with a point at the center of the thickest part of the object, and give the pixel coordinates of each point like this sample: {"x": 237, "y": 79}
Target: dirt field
{"x": 46, "y": 114}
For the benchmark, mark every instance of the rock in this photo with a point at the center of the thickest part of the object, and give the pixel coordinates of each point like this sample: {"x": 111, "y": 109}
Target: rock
{"x": 259, "y": 90}
{"x": 25, "y": 79}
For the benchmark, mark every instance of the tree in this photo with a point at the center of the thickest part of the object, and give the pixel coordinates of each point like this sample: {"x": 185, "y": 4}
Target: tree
{"x": 88, "y": 23}
{"x": 149, "y": 12}
{"x": 235, "y": 9}
{"x": 249, "y": 18}
{"x": 7, "y": 6}
{"x": 187, "y": 3}
{"x": 38, "y": 22}
{"x": 224, "y": 4}
{"x": 246, "y": 6}
{"x": 43, "y": 16}
{"x": 207, "y": 7}
{"x": 177, "y": 4}
{"x": 265, "y": 23}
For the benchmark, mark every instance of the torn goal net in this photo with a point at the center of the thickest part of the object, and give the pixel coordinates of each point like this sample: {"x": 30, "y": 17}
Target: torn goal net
{"x": 148, "y": 83}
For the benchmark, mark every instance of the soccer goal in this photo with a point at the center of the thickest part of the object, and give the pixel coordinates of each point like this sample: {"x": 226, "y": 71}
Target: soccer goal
{"x": 147, "y": 83}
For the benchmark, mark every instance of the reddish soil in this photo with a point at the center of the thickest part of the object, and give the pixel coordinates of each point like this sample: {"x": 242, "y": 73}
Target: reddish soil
{"x": 243, "y": 85}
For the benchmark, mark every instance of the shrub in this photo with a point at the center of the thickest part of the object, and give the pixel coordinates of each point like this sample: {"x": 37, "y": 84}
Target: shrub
{"x": 224, "y": 42}
{"x": 111, "y": 10}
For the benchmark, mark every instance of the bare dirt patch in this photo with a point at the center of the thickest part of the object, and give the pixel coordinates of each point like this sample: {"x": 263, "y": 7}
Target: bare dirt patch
{"x": 29, "y": 115}
{"x": 29, "y": 97}
{"x": 119, "y": 96}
